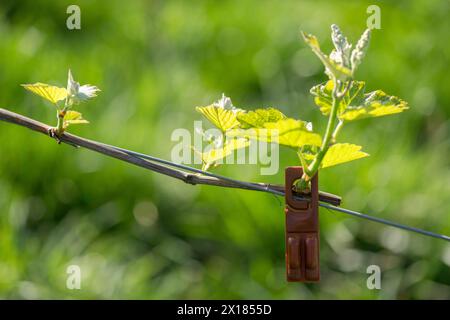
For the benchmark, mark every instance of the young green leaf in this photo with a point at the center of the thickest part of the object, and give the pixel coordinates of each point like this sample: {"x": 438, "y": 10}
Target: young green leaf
{"x": 355, "y": 104}
{"x": 333, "y": 69}
{"x": 73, "y": 117}
{"x": 221, "y": 118}
{"x": 51, "y": 93}
{"x": 306, "y": 155}
{"x": 374, "y": 104}
{"x": 212, "y": 156}
{"x": 341, "y": 153}
{"x": 258, "y": 117}
{"x": 323, "y": 96}
{"x": 288, "y": 132}
{"x": 222, "y": 114}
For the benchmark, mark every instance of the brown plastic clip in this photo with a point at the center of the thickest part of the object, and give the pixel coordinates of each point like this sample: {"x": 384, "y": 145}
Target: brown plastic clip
{"x": 302, "y": 231}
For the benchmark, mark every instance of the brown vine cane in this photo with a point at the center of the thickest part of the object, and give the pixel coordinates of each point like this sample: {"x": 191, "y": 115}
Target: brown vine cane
{"x": 302, "y": 231}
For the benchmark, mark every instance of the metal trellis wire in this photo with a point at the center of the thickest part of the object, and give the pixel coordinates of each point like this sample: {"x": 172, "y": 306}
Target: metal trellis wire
{"x": 256, "y": 187}
{"x": 199, "y": 177}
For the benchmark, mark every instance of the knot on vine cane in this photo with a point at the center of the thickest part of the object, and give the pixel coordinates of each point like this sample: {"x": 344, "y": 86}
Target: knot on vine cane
{"x": 190, "y": 179}
{"x": 52, "y": 132}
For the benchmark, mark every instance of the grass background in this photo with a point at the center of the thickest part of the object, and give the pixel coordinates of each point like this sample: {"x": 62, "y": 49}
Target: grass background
{"x": 136, "y": 234}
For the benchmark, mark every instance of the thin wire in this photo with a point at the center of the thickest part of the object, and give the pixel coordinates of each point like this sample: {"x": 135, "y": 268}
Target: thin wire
{"x": 386, "y": 222}
{"x": 249, "y": 185}
{"x": 256, "y": 187}
{"x": 40, "y": 127}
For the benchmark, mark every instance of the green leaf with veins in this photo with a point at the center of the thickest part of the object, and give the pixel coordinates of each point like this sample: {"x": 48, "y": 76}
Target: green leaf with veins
{"x": 307, "y": 155}
{"x": 212, "y": 155}
{"x": 323, "y": 95}
{"x": 221, "y": 118}
{"x": 222, "y": 114}
{"x": 73, "y": 117}
{"x": 288, "y": 132}
{"x": 46, "y": 91}
{"x": 356, "y": 104}
{"x": 337, "y": 154}
{"x": 341, "y": 153}
{"x": 258, "y": 117}
{"x": 374, "y": 104}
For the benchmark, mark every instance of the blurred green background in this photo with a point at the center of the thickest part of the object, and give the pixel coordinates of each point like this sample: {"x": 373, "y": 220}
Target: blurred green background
{"x": 138, "y": 235}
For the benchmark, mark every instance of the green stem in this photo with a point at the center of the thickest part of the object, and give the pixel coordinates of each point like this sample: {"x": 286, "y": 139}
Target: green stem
{"x": 61, "y": 114}
{"x": 330, "y": 134}
{"x": 60, "y": 125}
{"x": 336, "y": 131}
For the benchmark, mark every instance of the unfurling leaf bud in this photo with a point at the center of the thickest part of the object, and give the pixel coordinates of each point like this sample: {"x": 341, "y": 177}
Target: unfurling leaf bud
{"x": 79, "y": 93}
{"x": 72, "y": 85}
{"x": 360, "y": 50}
{"x": 339, "y": 40}
{"x": 341, "y": 54}
{"x": 224, "y": 103}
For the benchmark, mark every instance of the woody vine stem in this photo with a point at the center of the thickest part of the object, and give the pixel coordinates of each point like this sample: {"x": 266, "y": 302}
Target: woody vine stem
{"x": 341, "y": 99}
{"x": 327, "y": 200}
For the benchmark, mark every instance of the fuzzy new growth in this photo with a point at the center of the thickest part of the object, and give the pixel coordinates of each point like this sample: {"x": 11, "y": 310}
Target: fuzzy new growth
{"x": 72, "y": 95}
{"x": 341, "y": 99}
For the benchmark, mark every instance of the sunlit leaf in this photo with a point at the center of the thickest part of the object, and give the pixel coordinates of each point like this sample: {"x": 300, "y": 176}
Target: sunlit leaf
{"x": 221, "y": 118}
{"x": 307, "y": 156}
{"x": 336, "y": 154}
{"x": 51, "y": 93}
{"x": 323, "y": 95}
{"x": 213, "y": 156}
{"x": 288, "y": 132}
{"x": 73, "y": 117}
{"x": 258, "y": 117}
{"x": 374, "y": 104}
{"x": 332, "y": 67}
{"x": 355, "y": 104}
{"x": 341, "y": 153}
